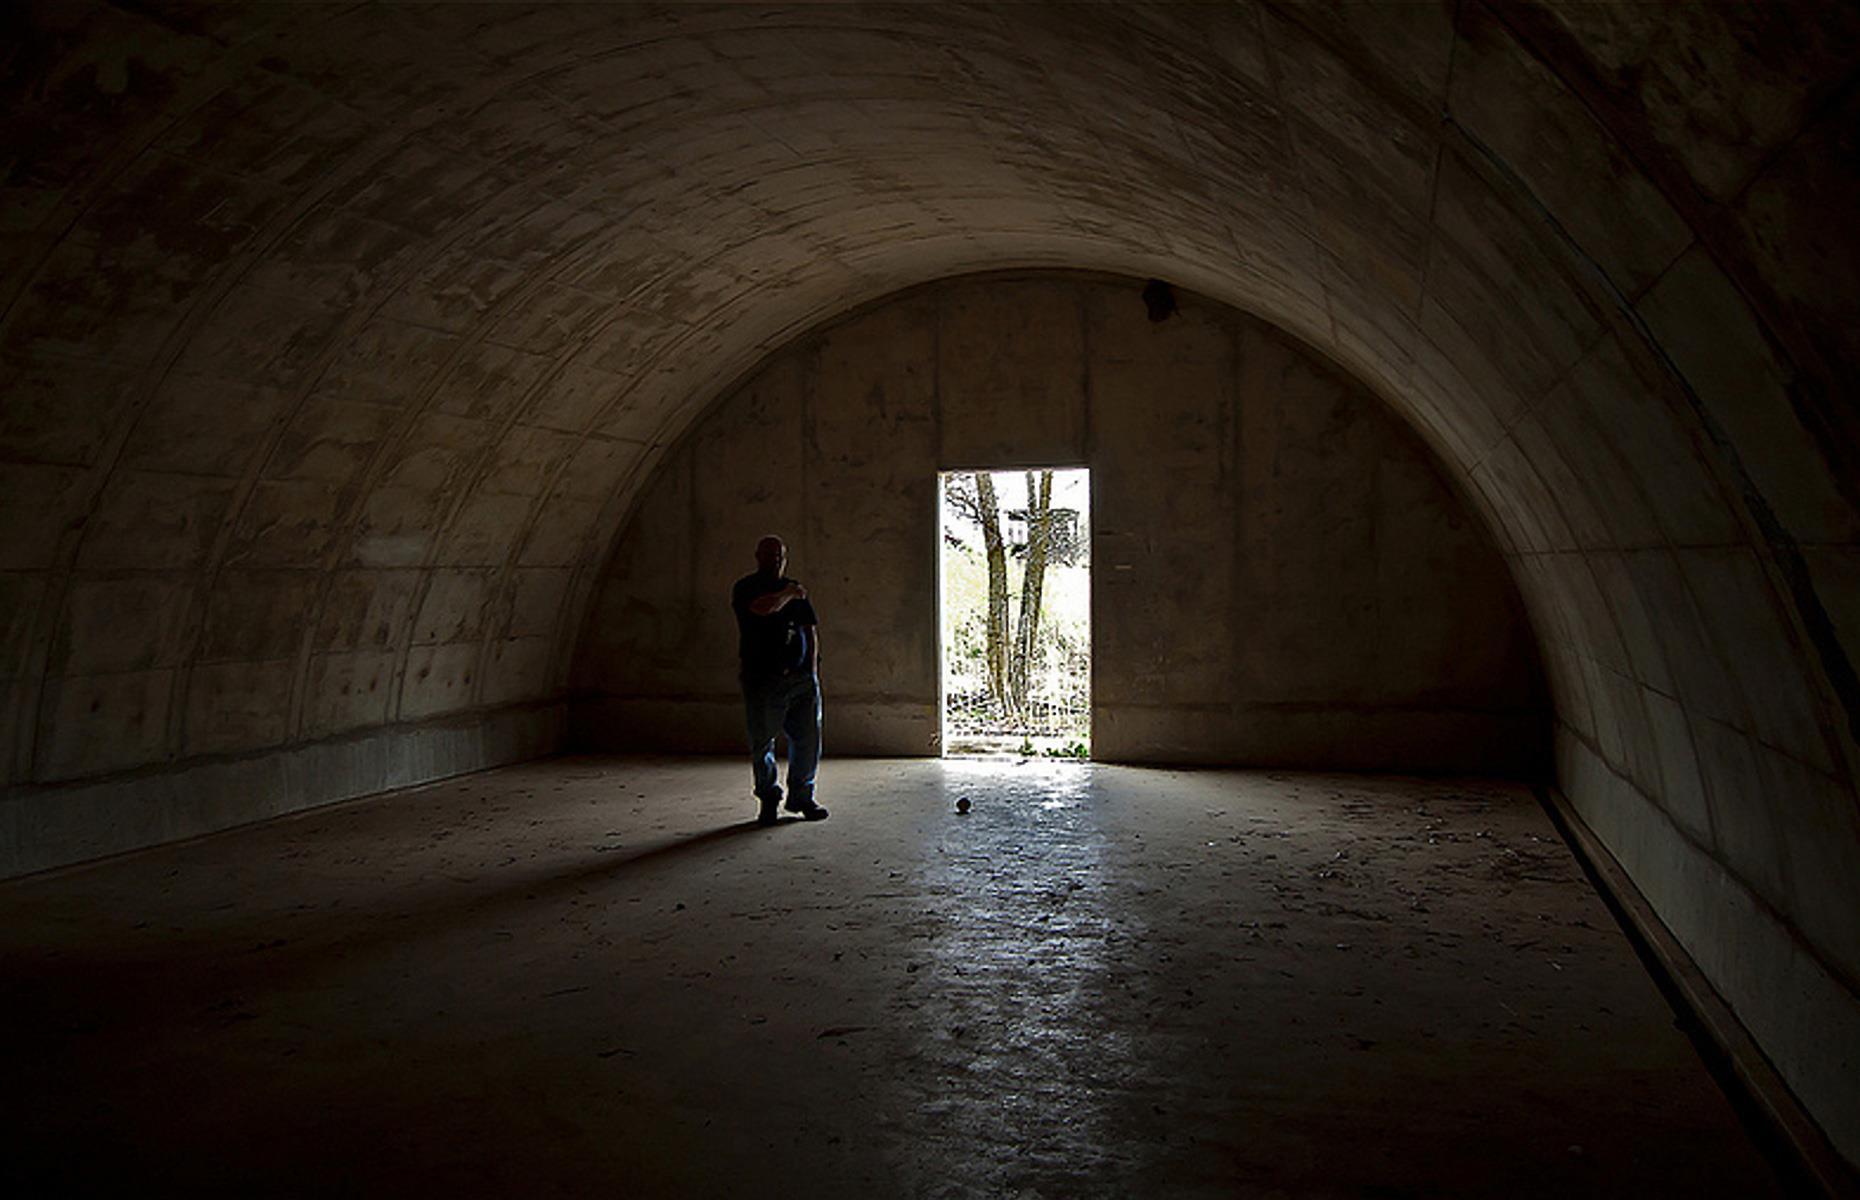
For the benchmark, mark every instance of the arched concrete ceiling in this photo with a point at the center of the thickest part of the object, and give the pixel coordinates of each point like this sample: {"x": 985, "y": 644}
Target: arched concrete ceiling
{"x": 402, "y": 289}
{"x": 337, "y": 339}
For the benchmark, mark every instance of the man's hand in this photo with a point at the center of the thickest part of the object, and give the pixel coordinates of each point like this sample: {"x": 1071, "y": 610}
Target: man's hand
{"x": 763, "y": 606}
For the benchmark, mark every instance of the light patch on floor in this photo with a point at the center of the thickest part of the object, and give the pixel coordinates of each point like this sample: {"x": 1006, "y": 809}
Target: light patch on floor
{"x": 595, "y": 976}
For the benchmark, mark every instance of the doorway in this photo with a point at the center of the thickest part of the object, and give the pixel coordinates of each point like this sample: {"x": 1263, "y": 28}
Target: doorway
{"x": 1014, "y": 565}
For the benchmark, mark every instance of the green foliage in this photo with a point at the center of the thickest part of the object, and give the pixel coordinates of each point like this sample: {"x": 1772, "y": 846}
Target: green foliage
{"x": 1057, "y": 667}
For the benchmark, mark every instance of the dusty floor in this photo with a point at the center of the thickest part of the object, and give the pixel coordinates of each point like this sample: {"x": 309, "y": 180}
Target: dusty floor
{"x": 591, "y": 976}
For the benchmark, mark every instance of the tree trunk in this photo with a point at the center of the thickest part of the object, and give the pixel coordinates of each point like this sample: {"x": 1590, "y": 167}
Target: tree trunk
{"x": 1033, "y": 583}
{"x": 990, "y": 521}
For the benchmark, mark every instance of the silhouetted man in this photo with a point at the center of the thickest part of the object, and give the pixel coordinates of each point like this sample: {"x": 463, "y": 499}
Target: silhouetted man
{"x": 779, "y": 643}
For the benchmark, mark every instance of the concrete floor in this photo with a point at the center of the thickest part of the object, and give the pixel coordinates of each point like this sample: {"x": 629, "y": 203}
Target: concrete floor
{"x": 593, "y": 976}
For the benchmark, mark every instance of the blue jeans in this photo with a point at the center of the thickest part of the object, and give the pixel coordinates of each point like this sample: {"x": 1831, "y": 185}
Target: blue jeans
{"x": 787, "y": 704}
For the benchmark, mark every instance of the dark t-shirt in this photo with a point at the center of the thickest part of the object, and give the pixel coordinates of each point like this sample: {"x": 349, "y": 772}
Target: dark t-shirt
{"x": 775, "y": 644}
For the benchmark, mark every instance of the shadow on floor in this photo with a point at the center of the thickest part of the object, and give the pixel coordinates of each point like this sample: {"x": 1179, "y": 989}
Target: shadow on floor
{"x": 314, "y": 938}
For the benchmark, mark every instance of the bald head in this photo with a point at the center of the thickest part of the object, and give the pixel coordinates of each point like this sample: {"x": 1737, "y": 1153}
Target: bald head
{"x": 771, "y": 555}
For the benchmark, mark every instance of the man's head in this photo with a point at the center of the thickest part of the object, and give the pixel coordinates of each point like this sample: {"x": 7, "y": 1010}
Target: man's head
{"x": 771, "y": 555}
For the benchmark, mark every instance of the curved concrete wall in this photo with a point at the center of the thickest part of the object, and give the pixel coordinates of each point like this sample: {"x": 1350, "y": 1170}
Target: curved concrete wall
{"x": 335, "y": 343}
{"x": 1282, "y": 577}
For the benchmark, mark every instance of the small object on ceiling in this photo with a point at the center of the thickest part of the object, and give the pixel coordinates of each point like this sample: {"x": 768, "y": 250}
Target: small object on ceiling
{"x": 962, "y": 806}
{"x": 1159, "y": 298}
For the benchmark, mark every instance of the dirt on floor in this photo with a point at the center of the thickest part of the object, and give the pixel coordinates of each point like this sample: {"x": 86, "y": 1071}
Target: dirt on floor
{"x": 598, "y": 976}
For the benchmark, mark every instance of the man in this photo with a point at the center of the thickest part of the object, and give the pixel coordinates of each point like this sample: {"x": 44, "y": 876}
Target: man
{"x": 779, "y": 644}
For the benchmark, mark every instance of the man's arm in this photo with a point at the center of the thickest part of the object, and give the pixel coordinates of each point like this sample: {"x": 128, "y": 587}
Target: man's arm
{"x": 813, "y": 650}
{"x": 772, "y": 602}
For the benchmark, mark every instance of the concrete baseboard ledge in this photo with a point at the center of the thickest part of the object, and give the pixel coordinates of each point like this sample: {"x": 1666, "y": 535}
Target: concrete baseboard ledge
{"x": 1759, "y": 1092}
{"x": 48, "y": 826}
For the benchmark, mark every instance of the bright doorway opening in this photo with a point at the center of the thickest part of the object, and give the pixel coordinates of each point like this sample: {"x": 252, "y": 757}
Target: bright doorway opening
{"x": 1014, "y": 561}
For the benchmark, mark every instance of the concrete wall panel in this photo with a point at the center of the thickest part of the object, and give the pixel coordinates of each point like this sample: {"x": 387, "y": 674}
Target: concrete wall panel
{"x": 99, "y": 723}
{"x": 438, "y": 680}
{"x": 869, "y": 498}
{"x": 1240, "y": 486}
{"x": 124, "y": 623}
{"x": 348, "y": 690}
{"x": 287, "y": 523}
{"x": 1000, "y": 405}
{"x": 237, "y": 705}
{"x": 202, "y": 425}
{"x": 365, "y": 609}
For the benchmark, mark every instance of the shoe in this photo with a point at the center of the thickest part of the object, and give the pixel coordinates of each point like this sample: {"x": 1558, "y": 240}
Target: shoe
{"x": 766, "y": 815}
{"x": 807, "y": 808}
